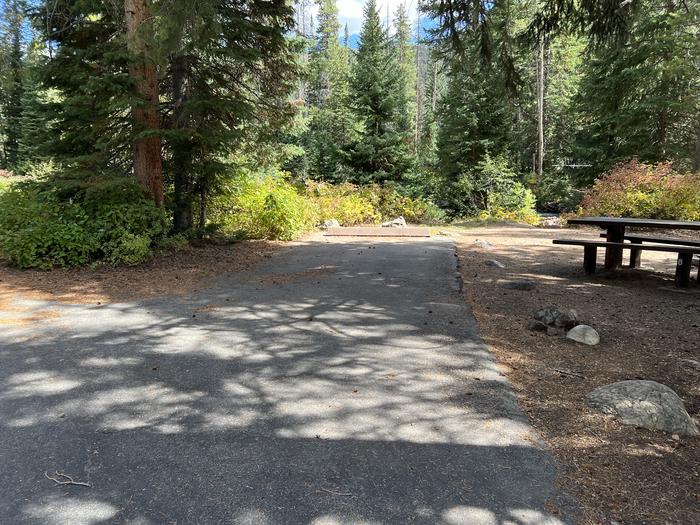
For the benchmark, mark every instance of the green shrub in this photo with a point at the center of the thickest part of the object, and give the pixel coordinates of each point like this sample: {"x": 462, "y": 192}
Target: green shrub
{"x": 557, "y": 193}
{"x": 73, "y": 223}
{"x": 516, "y": 203}
{"x": 262, "y": 206}
{"x": 493, "y": 190}
{"x": 635, "y": 189}
{"x": 390, "y": 203}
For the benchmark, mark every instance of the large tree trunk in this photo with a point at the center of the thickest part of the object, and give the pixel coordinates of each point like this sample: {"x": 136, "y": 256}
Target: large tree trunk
{"x": 148, "y": 165}
{"x": 182, "y": 153}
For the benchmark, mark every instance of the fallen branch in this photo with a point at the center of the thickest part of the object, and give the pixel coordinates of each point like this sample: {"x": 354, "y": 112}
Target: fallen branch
{"x": 64, "y": 479}
{"x": 567, "y": 373}
{"x": 334, "y": 492}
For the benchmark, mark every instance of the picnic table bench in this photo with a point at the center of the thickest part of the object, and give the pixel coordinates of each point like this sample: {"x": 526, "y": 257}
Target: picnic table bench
{"x": 615, "y": 244}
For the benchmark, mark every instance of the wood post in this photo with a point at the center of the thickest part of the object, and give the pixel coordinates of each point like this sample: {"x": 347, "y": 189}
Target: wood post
{"x": 613, "y": 256}
{"x": 590, "y": 253}
{"x": 636, "y": 256}
{"x": 685, "y": 263}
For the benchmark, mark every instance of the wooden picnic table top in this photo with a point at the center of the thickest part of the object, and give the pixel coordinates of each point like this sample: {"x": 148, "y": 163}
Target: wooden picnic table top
{"x": 605, "y": 222}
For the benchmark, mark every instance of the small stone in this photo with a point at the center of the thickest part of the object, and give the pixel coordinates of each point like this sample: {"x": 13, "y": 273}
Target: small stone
{"x": 646, "y": 404}
{"x": 584, "y": 334}
{"x": 690, "y": 363}
{"x": 486, "y": 245}
{"x": 523, "y": 285}
{"x": 399, "y": 222}
{"x": 330, "y": 223}
{"x": 536, "y": 326}
{"x": 675, "y": 437}
{"x": 551, "y": 331}
{"x": 557, "y": 317}
{"x": 495, "y": 264}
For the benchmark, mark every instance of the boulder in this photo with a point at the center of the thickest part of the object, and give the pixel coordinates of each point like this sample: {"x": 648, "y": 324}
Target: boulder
{"x": 330, "y": 223}
{"x": 495, "y": 264}
{"x": 524, "y": 285}
{"x": 645, "y": 404}
{"x": 584, "y": 334}
{"x": 399, "y": 222}
{"x": 557, "y": 317}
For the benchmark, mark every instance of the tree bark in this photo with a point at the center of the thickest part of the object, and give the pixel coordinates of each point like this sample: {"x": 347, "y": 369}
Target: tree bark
{"x": 182, "y": 153}
{"x": 148, "y": 164}
{"x": 696, "y": 157}
{"x": 540, "y": 109}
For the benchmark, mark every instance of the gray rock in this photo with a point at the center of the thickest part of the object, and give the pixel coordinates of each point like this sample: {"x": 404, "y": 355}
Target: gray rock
{"x": 645, "y": 404}
{"x": 557, "y": 317}
{"x": 551, "y": 331}
{"x": 330, "y": 223}
{"x": 495, "y": 264}
{"x": 524, "y": 285}
{"x": 399, "y": 222}
{"x": 486, "y": 245}
{"x": 690, "y": 363}
{"x": 584, "y": 334}
{"x": 536, "y": 326}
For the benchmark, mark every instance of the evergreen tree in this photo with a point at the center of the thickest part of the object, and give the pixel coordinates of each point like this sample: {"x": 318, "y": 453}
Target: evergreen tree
{"x": 331, "y": 121}
{"x": 474, "y": 118}
{"x": 89, "y": 68}
{"x": 382, "y": 151}
{"x": 406, "y": 57}
{"x": 36, "y": 117}
{"x": 231, "y": 69}
{"x": 642, "y": 98}
{"x": 13, "y": 17}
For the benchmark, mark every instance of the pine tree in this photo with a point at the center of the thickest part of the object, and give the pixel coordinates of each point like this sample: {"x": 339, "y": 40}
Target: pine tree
{"x": 36, "y": 117}
{"x": 382, "y": 151}
{"x": 331, "y": 121}
{"x": 13, "y": 86}
{"x": 406, "y": 57}
{"x": 642, "y": 98}
{"x": 222, "y": 92}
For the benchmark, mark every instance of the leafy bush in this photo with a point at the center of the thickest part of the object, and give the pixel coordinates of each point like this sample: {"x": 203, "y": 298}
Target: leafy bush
{"x": 73, "y": 223}
{"x": 516, "y": 203}
{"x": 635, "y": 189}
{"x": 262, "y": 206}
{"x": 343, "y": 202}
{"x": 389, "y": 203}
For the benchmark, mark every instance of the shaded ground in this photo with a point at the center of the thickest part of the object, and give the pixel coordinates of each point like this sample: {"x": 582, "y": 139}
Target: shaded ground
{"x": 647, "y": 327}
{"x": 173, "y": 274}
{"x": 335, "y": 382}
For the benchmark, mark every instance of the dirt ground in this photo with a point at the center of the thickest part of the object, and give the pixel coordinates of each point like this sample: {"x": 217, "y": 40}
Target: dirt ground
{"x": 170, "y": 274}
{"x": 619, "y": 473}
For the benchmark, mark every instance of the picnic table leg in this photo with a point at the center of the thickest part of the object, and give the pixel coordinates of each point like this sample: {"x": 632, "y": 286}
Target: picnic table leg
{"x": 613, "y": 256}
{"x": 636, "y": 256}
{"x": 685, "y": 263}
{"x": 590, "y": 254}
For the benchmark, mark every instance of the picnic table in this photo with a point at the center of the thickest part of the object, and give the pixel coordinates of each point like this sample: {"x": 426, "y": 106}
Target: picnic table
{"x": 615, "y": 244}
{"x": 616, "y": 228}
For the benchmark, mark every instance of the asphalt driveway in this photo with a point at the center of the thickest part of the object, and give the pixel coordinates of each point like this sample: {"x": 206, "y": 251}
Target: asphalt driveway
{"x": 339, "y": 382}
